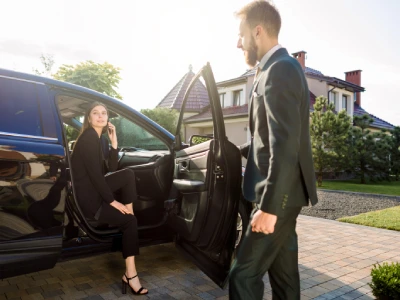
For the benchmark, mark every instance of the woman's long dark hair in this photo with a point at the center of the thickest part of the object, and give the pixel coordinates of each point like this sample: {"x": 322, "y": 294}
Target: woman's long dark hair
{"x": 86, "y": 123}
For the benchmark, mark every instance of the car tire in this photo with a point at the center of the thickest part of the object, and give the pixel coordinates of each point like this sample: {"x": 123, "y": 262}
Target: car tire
{"x": 242, "y": 222}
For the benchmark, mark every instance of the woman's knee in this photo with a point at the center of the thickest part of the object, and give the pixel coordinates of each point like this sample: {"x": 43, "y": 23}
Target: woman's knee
{"x": 130, "y": 221}
{"x": 130, "y": 174}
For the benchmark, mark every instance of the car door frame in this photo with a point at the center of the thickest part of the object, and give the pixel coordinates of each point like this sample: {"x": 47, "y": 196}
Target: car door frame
{"x": 214, "y": 256}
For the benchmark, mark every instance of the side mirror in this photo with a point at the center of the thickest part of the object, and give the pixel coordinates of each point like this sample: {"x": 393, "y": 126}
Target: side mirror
{"x": 198, "y": 139}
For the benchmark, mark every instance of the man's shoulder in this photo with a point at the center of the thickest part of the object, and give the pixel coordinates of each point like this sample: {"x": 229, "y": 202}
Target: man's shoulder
{"x": 285, "y": 61}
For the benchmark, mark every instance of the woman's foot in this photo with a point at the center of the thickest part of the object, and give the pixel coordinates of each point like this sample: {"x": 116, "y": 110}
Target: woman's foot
{"x": 134, "y": 283}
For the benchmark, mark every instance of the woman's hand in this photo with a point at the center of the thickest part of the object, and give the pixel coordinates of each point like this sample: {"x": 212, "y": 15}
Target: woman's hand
{"x": 112, "y": 134}
{"x": 122, "y": 208}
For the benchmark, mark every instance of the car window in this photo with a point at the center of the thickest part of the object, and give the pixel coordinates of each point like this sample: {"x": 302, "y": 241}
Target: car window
{"x": 131, "y": 135}
{"x": 19, "y": 111}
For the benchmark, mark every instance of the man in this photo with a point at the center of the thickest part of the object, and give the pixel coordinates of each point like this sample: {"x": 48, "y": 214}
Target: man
{"x": 279, "y": 175}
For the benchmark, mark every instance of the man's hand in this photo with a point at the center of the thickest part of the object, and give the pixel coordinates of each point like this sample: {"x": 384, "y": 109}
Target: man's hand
{"x": 122, "y": 208}
{"x": 263, "y": 222}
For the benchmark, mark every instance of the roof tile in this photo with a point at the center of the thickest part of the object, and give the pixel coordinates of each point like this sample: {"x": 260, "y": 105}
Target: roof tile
{"x": 198, "y": 97}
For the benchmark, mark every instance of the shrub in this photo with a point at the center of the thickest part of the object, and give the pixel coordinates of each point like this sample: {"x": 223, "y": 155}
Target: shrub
{"x": 385, "y": 282}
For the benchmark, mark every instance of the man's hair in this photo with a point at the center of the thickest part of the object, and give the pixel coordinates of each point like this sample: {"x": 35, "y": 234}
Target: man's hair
{"x": 261, "y": 12}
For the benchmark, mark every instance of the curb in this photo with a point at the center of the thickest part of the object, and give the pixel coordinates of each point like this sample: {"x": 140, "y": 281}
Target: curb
{"x": 360, "y": 193}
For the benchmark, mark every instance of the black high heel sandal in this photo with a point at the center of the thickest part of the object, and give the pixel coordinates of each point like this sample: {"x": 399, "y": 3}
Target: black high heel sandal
{"x": 125, "y": 284}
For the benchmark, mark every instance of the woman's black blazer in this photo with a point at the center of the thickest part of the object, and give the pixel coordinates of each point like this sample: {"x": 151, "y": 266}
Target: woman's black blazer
{"x": 89, "y": 165}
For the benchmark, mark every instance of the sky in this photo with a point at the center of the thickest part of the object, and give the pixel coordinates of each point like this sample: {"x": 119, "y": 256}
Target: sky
{"x": 154, "y": 42}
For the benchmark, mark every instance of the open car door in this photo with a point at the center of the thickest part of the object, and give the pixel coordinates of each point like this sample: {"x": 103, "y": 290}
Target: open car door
{"x": 207, "y": 177}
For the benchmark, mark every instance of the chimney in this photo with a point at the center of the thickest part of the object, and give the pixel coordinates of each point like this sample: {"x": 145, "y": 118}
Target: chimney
{"x": 355, "y": 78}
{"x": 301, "y": 58}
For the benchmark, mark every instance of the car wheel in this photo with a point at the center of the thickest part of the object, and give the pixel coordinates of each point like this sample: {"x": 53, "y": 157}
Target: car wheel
{"x": 242, "y": 222}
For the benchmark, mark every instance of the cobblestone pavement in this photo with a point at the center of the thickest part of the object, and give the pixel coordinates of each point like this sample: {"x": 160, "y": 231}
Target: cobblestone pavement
{"x": 335, "y": 262}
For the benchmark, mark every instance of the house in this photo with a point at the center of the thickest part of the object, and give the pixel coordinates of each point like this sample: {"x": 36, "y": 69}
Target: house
{"x": 345, "y": 94}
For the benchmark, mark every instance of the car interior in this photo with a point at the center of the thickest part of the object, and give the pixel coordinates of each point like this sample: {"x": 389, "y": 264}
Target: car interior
{"x": 145, "y": 154}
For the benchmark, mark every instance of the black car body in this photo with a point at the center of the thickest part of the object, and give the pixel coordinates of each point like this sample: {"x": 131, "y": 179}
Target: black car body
{"x": 189, "y": 193}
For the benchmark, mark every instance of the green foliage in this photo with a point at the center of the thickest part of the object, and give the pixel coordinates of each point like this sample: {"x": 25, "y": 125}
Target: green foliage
{"x": 381, "y": 156}
{"x": 385, "y": 281}
{"x": 395, "y": 152}
{"x": 47, "y": 61}
{"x": 354, "y": 185}
{"x": 167, "y": 118}
{"x": 71, "y": 133}
{"x": 103, "y": 78}
{"x": 329, "y": 133}
{"x": 199, "y": 139}
{"x": 370, "y": 151}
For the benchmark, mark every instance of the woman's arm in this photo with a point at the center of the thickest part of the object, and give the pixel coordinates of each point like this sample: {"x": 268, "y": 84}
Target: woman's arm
{"x": 92, "y": 160}
{"x": 113, "y": 153}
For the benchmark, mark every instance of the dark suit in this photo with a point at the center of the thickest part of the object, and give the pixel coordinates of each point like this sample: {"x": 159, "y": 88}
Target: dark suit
{"x": 279, "y": 177}
{"x": 91, "y": 160}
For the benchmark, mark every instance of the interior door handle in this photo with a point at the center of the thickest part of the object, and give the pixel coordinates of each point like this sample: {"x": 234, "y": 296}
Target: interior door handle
{"x": 183, "y": 166}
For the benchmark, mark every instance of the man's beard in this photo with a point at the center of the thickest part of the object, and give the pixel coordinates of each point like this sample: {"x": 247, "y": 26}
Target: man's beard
{"x": 251, "y": 54}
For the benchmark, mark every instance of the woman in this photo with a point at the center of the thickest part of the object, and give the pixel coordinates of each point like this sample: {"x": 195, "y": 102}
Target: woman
{"x": 91, "y": 160}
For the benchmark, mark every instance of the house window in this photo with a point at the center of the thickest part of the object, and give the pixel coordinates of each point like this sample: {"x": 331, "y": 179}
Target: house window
{"x": 344, "y": 102}
{"x": 333, "y": 98}
{"x": 238, "y": 98}
{"x": 222, "y": 99}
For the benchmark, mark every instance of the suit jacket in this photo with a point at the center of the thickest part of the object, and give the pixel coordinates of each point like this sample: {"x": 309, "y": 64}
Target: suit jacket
{"x": 279, "y": 171}
{"x": 91, "y": 160}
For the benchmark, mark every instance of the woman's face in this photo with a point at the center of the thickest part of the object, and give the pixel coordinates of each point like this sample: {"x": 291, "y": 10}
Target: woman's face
{"x": 98, "y": 117}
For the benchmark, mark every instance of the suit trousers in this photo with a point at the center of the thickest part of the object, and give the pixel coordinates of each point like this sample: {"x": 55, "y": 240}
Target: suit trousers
{"x": 125, "y": 182}
{"x": 276, "y": 253}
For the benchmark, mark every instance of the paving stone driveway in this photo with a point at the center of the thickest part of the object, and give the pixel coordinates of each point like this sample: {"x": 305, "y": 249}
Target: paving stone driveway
{"x": 335, "y": 262}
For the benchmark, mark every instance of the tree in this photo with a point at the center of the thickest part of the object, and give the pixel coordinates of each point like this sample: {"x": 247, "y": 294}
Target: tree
{"x": 47, "y": 61}
{"x": 329, "y": 132}
{"x": 381, "y": 155}
{"x": 363, "y": 147}
{"x": 395, "y": 152}
{"x": 167, "y": 118}
{"x": 103, "y": 78}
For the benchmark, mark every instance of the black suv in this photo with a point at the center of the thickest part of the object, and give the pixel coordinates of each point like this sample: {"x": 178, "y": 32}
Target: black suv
{"x": 189, "y": 193}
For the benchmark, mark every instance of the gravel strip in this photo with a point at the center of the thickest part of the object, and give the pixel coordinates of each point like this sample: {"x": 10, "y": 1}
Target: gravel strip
{"x": 334, "y": 205}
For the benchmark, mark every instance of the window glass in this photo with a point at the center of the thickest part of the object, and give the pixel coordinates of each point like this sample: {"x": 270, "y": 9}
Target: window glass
{"x": 333, "y": 97}
{"x": 238, "y": 98}
{"x": 19, "y": 111}
{"x": 221, "y": 99}
{"x": 131, "y": 135}
{"x": 344, "y": 102}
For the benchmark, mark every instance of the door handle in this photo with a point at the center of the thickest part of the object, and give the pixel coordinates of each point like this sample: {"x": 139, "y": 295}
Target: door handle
{"x": 183, "y": 166}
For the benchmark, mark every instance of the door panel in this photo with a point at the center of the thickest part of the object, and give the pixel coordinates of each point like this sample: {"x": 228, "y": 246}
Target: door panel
{"x": 207, "y": 177}
{"x": 191, "y": 183}
{"x": 31, "y": 206}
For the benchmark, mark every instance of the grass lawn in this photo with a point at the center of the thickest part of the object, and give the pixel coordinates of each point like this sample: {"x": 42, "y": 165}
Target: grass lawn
{"x": 387, "y": 218}
{"x": 354, "y": 185}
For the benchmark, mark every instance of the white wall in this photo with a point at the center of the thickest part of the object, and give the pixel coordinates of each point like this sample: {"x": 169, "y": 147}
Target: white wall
{"x": 317, "y": 87}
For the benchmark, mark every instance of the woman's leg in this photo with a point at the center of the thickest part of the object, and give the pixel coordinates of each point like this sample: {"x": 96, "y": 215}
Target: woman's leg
{"x": 131, "y": 272}
{"x": 130, "y": 244}
{"x": 125, "y": 181}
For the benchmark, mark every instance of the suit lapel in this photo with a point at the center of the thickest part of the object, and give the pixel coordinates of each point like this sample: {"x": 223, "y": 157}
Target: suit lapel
{"x": 253, "y": 91}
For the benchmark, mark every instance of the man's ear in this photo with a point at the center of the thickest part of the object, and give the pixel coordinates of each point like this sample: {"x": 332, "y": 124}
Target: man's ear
{"x": 257, "y": 31}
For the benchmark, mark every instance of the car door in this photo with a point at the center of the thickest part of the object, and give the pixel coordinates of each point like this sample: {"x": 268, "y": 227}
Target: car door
{"x": 32, "y": 182}
{"x": 207, "y": 177}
